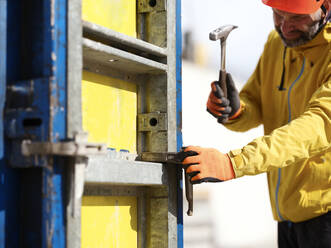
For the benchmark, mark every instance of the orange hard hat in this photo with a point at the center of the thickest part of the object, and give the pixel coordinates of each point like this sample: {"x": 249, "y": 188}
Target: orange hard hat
{"x": 295, "y": 6}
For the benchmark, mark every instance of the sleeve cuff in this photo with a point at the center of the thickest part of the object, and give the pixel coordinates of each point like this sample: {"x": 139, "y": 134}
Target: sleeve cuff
{"x": 237, "y": 162}
{"x": 238, "y": 114}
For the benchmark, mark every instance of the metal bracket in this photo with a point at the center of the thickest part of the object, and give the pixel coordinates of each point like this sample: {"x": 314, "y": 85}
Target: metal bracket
{"x": 152, "y": 122}
{"x": 78, "y": 147}
{"x": 145, "y": 6}
{"x": 170, "y": 158}
{"x": 161, "y": 157}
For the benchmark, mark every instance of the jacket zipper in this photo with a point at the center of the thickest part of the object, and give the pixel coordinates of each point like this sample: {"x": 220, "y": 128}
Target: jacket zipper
{"x": 289, "y": 120}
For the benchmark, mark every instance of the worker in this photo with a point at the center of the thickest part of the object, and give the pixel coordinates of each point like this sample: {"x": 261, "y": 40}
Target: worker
{"x": 290, "y": 94}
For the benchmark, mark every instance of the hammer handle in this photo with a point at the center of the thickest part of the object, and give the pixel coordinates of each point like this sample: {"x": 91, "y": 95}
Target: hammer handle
{"x": 189, "y": 194}
{"x": 222, "y": 82}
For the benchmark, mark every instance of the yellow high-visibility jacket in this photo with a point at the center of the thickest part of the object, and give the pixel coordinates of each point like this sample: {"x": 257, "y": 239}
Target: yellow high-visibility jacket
{"x": 296, "y": 148}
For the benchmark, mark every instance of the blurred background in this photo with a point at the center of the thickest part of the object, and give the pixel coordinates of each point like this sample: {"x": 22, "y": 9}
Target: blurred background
{"x": 234, "y": 214}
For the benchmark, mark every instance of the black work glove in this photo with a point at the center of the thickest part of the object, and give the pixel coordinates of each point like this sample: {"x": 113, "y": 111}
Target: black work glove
{"x": 221, "y": 107}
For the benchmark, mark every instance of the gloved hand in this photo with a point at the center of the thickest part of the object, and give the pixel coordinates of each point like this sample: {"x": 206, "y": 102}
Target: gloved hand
{"x": 224, "y": 108}
{"x": 207, "y": 165}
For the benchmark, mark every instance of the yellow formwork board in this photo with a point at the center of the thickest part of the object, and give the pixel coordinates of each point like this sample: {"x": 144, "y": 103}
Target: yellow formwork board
{"x": 109, "y": 222}
{"x": 119, "y": 15}
{"x": 109, "y": 108}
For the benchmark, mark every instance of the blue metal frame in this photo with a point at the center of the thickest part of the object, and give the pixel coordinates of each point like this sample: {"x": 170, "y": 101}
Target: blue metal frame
{"x": 35, "y": 71}
{"x": 53, "y": 204}
{"x": 9, "y": 227}
{"x": 3, "y": 45}
{"x": 36, "y": 107}
{"x": 180, "y": 241}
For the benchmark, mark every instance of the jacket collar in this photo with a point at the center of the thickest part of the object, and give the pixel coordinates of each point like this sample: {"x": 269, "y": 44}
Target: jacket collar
{"x": 323, "y": 38}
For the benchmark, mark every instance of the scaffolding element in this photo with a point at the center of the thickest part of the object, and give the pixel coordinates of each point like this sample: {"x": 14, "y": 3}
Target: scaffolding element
{"x": 59, "y": 60}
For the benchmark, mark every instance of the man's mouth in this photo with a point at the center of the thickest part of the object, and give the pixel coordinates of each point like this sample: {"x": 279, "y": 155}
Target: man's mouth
{"x": 291, "y": 36}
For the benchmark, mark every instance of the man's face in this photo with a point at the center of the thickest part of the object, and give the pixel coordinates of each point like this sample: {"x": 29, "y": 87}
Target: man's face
{"x": 296, "y": 29}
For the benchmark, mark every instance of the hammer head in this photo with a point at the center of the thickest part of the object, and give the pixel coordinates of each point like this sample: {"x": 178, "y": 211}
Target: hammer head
{"x": 221, "y": 33}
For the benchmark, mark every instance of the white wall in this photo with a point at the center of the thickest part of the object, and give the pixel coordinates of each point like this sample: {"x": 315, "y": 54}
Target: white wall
{"x": 241, "y": 209}
{"x": 244, "y": 45}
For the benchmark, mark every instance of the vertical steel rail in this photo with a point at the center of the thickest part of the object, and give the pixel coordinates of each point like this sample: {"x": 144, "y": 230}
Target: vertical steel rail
{"x": 180, "y": 241}
{"x": 55, "y": 62}
{"x": 3, "y": 46}
{"x": 174, "y": 212}
{"x": 9, "y": 226}
{"x": 34, "y": 50}
{"x": 3, "y": 52}
{"x": 75, "y": 167}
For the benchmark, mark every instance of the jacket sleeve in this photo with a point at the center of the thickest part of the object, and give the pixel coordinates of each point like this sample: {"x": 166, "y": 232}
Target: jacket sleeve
{"x": 250, "y": 100}
{"x": 302, "y": 138}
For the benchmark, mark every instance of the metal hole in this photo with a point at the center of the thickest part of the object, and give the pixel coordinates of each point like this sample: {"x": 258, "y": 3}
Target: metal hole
{"x": 152, "y": 3}
{"x": 153, "y": 122}
{"x": 32, "y": 122}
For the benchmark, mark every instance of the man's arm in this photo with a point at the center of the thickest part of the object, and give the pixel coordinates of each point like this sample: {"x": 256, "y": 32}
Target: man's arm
{"x": 304, "y": 137}
{"x": 250, "y": 101}
{"x": 239, "y": 114}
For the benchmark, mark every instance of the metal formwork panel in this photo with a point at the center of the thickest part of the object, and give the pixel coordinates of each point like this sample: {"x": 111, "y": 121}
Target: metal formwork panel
{"x": 111, "y": 221}
{"x": 109, "y": 108}
{"x": 111, "y": 14}
{"x": 149, "y": 63}
{"x": 109, "y": 104}
{"x": 52, "y": 56}
{"x": 36, "y": 110}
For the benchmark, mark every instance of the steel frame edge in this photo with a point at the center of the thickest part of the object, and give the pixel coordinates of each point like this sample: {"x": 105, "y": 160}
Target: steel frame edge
{"x": 74, "y": 121}
{"x": 180, "y": 221}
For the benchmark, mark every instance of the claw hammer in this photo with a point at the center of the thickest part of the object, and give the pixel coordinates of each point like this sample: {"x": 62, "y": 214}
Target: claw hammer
{"x": 222, "y": 34}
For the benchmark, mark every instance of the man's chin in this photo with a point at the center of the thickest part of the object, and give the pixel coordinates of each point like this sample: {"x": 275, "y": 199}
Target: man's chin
{"x": 302, "y": 39}
{"x": 295, "y": 42}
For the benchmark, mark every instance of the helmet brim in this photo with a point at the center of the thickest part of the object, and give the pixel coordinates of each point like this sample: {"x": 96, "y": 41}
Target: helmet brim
{"x": 295, "y": 6}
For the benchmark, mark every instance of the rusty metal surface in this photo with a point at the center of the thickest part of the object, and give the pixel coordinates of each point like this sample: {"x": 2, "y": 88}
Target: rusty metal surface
{"x": 159, "y": 157}
{"x": 152, "y": 122}
{"x": 145, "y": 6}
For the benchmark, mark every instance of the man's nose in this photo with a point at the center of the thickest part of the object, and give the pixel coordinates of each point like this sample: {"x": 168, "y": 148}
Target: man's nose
{"x": 287, "y": 26}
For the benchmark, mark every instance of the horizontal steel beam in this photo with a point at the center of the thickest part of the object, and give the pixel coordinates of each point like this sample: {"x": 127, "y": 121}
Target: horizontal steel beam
{"x": 121, "y": 60}
{"x": 121, "y": 41}
{"x": 107, "y": 170}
